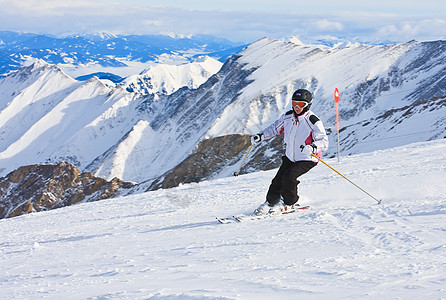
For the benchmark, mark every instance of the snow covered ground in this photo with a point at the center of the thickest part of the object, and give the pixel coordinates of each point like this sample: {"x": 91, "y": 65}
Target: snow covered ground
{"x": 167, "y": 244}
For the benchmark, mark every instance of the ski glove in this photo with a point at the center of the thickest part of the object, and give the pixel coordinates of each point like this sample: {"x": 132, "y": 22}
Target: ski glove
{"x": 257, "y": 138}
{"x": 308, "y": 149}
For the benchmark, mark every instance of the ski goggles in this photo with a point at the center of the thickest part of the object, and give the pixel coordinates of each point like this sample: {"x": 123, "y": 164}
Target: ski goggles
{"x": 300, "y": 104}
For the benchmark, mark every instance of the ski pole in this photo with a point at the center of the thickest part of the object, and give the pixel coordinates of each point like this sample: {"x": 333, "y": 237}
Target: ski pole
{"x": 241, "y": 165}
{"x": 379, "y": 201}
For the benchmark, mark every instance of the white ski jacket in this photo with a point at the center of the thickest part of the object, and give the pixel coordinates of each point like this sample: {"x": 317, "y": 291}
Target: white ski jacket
{"x": 305, "y": 129}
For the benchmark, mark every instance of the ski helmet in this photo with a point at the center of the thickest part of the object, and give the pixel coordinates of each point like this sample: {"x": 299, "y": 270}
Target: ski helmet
{"x": 303, "y": 95}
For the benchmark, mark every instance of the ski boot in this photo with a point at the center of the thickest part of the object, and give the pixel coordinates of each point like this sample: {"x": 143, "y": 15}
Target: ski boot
{"x": 282, "y": 208}
{"x": 263, "y": 209}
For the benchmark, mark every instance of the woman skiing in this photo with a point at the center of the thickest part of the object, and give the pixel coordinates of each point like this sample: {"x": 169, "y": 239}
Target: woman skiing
{"x": 304, "y": 134}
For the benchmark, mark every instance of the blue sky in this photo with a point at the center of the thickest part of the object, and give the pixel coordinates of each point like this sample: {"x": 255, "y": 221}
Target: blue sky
{"x": 237, "y": 20}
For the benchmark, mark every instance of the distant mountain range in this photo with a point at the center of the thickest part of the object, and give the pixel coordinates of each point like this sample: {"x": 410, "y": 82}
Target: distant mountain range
{"x": 106, "y": 50}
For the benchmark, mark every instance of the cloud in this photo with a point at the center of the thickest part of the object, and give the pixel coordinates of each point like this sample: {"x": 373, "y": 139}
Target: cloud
{"x": 324, "y": 25}
{"x": 136, "y": 17}
{"x": 429, "y": 29}
{"x": 50, "y": 8}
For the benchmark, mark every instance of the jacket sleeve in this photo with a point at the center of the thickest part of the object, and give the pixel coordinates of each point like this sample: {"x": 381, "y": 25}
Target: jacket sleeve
{"x": 274, "y": 129}
{"x": 320, "y": 139}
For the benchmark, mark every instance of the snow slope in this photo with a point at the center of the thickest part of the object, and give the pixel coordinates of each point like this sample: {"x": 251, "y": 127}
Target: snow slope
{"x": 167, "y": 244}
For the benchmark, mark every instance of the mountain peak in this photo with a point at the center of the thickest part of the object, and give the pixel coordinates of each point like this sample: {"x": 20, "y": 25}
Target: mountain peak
{"x": 39, "y": 63}
{"x": 295, "y": 40}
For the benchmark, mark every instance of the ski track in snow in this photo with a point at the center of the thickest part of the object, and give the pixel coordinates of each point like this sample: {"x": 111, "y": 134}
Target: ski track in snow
{"x": 167, "y": 244}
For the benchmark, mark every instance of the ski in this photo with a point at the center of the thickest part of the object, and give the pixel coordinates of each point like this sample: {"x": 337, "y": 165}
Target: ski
{"x": 242, "y": 218}
{"x": 226, "y": 220}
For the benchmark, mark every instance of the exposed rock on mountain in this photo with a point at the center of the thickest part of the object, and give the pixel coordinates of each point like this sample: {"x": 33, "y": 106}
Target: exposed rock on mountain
{"x": 221, "y": 157}
{"x": 209, "y": 157}
{"x": 44, "y": 187}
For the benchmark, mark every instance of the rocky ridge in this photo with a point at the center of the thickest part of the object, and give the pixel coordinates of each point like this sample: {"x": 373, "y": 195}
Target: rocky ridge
{"x": 37, "y": 188}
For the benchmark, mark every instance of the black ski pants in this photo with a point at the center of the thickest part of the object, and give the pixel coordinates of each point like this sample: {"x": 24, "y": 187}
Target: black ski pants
{"x": 285, "y": 182}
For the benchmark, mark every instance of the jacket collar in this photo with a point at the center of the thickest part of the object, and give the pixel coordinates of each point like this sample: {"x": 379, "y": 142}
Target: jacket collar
{"x": 301, "y": 114}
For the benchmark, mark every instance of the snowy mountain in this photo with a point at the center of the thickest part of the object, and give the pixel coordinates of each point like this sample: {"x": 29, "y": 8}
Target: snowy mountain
{"x": 46, "y": 116}
{"x": 390, "y": 95}
{"x": 379, "y": 85}
{"x": 83, "y": 54}
{"x": 166, "y": 244}
{"x": 165, "y": 79}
